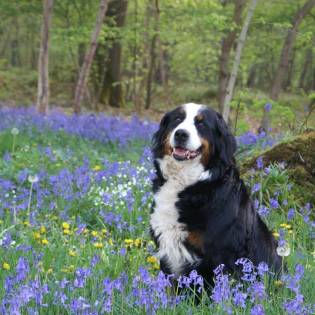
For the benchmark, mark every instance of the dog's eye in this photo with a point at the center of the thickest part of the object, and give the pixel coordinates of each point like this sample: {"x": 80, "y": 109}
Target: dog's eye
{"x": 200, "y": 122}
{"x": 178, "y": 119}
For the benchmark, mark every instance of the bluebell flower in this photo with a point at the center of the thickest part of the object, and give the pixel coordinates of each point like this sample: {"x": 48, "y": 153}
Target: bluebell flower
{"x": 257, "y": 309}
{"x": 291, "y": 214}
{"x": 260, "y": 163}
{"x": 268, "y": 107}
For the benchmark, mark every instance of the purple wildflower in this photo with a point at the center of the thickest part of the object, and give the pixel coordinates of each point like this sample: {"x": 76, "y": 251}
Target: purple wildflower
{"x": 274, "y": 203}
{"x": 221, "y": 290}
{"x": 262, "y": 268}
{"x": 239, "y": 297}
{"x": 257, "y": 309}
{"x": 259, "y": 163}
{"x": 291, "y": 214}
{"x": 22, "y": 269}
{"x": 268, "y": 107}
{"x": 263, "y": 211}
{"x": 294, "y": 306}
{"x": 256, "y": 187}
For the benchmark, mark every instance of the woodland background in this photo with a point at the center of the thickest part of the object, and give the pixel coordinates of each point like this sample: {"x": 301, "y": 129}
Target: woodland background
{"x": 156, "y": 54}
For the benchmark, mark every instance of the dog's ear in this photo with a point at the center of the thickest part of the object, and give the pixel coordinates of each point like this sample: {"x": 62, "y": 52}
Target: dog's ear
{"x": 159, "y": 136}
{"x": 225, "y": 142}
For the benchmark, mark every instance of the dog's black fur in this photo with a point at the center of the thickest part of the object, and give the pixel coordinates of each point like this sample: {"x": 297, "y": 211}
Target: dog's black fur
{"x": 218, "y": 210}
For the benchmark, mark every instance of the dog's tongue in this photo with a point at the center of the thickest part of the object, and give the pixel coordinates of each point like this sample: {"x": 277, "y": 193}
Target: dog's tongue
{"x": 181, "y": 152}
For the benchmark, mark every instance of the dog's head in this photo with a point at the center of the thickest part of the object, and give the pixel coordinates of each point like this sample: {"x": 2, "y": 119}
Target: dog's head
{"x": 193, "y": 131}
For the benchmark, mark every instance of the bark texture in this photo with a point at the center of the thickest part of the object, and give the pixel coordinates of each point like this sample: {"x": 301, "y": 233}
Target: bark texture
{"x": 238, "y": 54}
{"x": 86, "y": 66}
{"x": 112, "y": 90}
{"x": 153, "y": 53}
{"x": 227, "y": 45}
{"x": 287, "y": 49}
{"x": 43, "y": 77}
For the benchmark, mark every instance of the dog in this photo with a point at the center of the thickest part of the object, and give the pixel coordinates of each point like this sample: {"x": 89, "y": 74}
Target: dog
{"x": 202, "y": 214}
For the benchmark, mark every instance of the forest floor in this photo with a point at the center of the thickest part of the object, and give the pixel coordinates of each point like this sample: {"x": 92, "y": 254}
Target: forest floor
{"x": 75, "y": 196}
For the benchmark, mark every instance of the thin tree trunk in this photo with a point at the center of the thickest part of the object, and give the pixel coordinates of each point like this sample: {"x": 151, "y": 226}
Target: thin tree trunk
{"x": 112, "y": 90}
{"x": 145, "y": 60}
{"x": 85, "y": 69}
{"x": 251, "y": 81}
{"x": 43, "y": 78}
{"x": 287, "y": 48}
{"x": 135, "y": 57}
{"x": 238, "y": 54}
{"x": 306, "y": 67}
{"x": 288, "y": 82}
{"x": 226, "y": 48}
{"x": 152, "y": 63}
{"x": 151, "y": 71}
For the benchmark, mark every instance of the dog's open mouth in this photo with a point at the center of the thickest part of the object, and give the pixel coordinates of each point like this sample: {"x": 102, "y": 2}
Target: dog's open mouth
{"x": 182, "y": 154}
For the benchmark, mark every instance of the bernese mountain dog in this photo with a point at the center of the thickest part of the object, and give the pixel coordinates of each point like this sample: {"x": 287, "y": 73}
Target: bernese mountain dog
{"x": 202, "y": 214}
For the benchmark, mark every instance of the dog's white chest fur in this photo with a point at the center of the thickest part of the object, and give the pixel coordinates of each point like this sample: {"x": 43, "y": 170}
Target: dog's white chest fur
{"x": 164, "y": 220}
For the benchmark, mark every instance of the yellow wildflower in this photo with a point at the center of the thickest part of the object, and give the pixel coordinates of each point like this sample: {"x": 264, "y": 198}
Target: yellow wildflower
{"x": 156, "y": 266}
{"x": 138, "y": 242}
{"x": 275, "y": 234}
{"x": 26, "y": 223}
{"x": 110, "y": 241}
{"x": 285, "y": 225}
{"x": 45, "y": 241}
{"x": 94, "y": 233}
{"x": 36, "y": 235}
{"x": 98, "y": 245}
{"x": 66, "y": 232}
{"x": 42, "y": 230}
{"x": 96, "y": 168}
{"x": 72, "y": 253}
{"x": 104, "y": 231}
{"x": 50, "y": 270}
{"x": 65, "y": 225}
{"x": 6, "y": 266}
{"x": 128, "y": 241}
{"x": 152, "y": 260}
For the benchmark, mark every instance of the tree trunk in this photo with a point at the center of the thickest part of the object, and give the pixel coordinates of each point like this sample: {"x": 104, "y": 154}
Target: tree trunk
{"x": 152, "y": 63}
{"x": 151, "y": 71}
{"x": 251, "y": 81}
{"x": 306, "y": 67}
{"x": 288, "y": 82}
{"x": 112, "y": 91}
{"x": 238, "y": 54}
{"x": 287, "y": 48}
{"x": 86, "y": 66}
{"x": 226, "y": 48}
{"x": 43, "y": 78}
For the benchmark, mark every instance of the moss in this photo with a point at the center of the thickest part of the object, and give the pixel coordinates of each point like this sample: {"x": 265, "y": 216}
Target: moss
{"x": 298, "y": 155}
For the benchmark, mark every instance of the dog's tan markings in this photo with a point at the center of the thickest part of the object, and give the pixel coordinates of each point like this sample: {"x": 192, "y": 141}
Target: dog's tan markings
{"x": 194, "y": 238}
{"x": 167, "y": 146}
{"x": 206, "y": 150}
{"x": 199, "y": 118}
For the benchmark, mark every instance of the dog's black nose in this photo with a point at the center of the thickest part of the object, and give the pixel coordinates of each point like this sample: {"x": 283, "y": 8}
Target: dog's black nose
{"x": 181, "y": 135}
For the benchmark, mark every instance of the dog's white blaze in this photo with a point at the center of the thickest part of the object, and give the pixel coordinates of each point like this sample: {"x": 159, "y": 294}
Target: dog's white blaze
{"x": 164, "y": 220}
{"x": 188, "y": 124}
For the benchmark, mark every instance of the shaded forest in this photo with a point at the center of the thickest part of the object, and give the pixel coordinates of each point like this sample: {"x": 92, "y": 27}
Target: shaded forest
{"x": 154, "y": 54}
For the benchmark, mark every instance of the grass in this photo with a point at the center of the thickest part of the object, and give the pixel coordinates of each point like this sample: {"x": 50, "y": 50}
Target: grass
{"x": 73, "y": 241}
